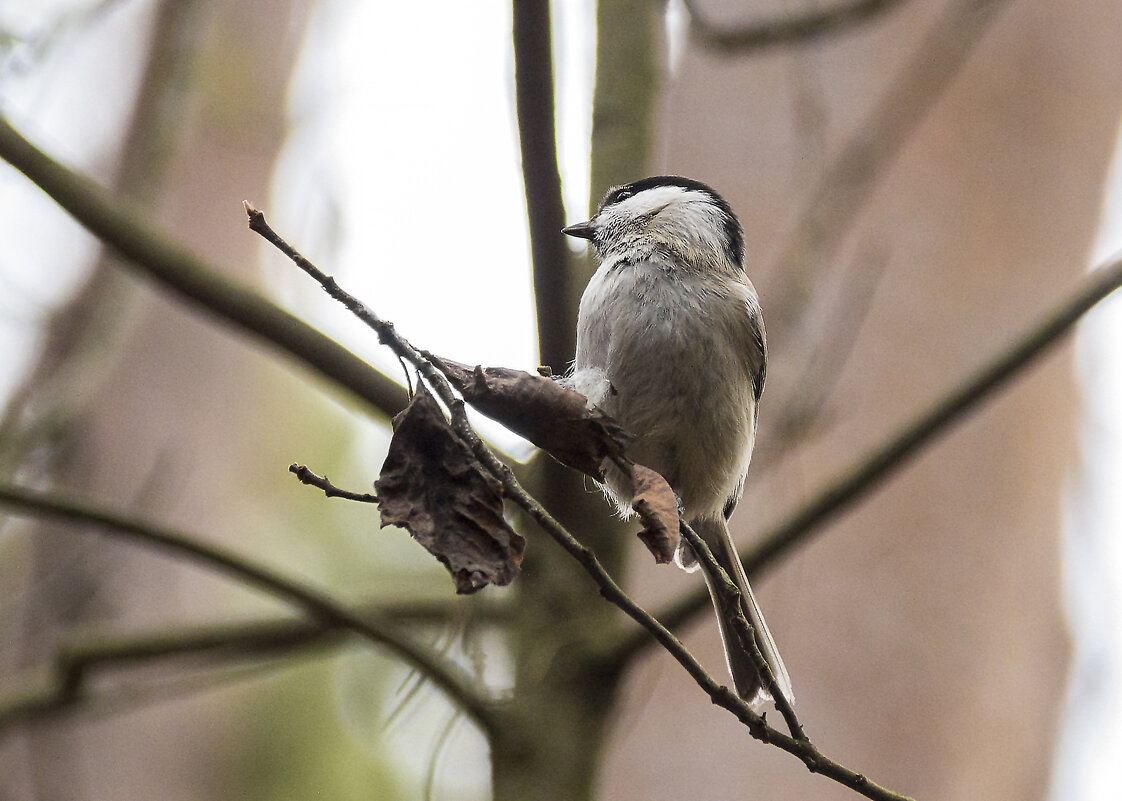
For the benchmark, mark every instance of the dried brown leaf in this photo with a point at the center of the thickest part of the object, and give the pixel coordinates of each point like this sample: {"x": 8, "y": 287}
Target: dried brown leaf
{"x": 432, "y": 486}
{"x": 554, "y": 418}
{"x": 657, "y": 506}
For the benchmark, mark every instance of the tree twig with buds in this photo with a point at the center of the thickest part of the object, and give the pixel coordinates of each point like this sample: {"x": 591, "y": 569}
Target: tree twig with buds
{"x": 756, "y": 724}
{"x": 305, "y": 476}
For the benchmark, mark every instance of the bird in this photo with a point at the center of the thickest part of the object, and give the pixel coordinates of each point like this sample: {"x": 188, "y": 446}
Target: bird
{"x": 670, "y": 342}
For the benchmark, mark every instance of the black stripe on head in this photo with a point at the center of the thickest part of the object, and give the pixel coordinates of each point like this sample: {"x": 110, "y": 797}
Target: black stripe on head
{"x": 734, "y": 233}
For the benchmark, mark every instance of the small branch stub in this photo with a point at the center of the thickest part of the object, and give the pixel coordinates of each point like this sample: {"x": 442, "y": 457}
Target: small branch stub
{"x": 306, "y": 476}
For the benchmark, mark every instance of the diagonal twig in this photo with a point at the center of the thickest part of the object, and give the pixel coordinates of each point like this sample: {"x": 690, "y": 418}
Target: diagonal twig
{"x": 720, "y": 695}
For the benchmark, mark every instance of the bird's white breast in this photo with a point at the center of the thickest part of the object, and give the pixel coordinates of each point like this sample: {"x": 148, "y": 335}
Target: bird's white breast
{"x": 664, "y": 353}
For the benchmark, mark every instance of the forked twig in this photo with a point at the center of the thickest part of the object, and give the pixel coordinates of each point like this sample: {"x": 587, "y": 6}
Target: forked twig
{"x": 756, "y": 724}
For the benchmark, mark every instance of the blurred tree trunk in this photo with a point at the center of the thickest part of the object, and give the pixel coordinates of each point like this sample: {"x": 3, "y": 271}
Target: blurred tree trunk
{"x": 164, "y": 398}
{"x": 923, "y": 631}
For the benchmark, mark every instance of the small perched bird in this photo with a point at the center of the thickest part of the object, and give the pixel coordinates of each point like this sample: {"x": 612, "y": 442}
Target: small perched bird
{"x": 670, "y": 342}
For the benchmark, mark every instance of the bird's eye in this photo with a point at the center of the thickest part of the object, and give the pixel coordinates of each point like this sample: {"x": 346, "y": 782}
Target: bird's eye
{"x": 622, "y": 194}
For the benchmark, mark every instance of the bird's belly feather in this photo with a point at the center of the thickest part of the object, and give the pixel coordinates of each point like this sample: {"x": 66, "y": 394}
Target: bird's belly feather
{"x": 678, "y": 386}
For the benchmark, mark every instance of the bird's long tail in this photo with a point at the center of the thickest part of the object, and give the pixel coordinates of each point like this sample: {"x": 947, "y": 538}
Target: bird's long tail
{"x": 744, "y": 676}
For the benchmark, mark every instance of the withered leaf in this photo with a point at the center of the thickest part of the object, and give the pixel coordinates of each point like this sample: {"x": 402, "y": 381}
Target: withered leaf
{"x": 432, "y": 486}
{"x": 551, "y": 416}
{"x": 657, "y": 506}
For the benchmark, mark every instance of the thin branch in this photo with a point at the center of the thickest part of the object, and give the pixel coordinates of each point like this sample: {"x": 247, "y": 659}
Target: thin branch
{"x": 883, "y": 462}
{"x": 306, "y": 476}
{"x": 792, "y": 29}
{"x": 460, "y": 687}
{"x": 537, "y": 136}
{"x": 720, "y": 695}
{"x": 123, "y": 226}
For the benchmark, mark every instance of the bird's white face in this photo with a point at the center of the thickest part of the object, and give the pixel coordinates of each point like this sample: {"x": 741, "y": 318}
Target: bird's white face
{"x": 677, "y": 215}
{"x": 625, "y": 204}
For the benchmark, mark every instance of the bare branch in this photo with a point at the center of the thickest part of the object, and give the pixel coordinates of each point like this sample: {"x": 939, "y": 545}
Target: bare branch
{"x": 611, "y": 591}
{"x": 40, "y": 701}
{"x": 460, "y": 687}
{"x": 792, "y": 29}
{"x": 124, "y": 227}
{"x": 306, "y": 476}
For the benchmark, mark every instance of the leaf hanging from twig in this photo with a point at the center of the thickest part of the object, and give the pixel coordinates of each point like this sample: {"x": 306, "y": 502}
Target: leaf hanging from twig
{"x": 554, "y": 418}
{"x": 432, "y": 486}
{"x": 657, "y": 506}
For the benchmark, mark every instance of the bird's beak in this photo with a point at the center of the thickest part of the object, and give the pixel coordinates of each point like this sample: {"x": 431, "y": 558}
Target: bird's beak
{"x": 582, "y": 230}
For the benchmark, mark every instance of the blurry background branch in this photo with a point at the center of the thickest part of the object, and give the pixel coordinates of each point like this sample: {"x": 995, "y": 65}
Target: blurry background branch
{"x": 850, "y": 178}
{"x": 79, "y": 336}
{"x": 630, "y": 74}
{"x": 794, "y": 28}
{"x": 553, "y": 276}
{"x": 215, "y": 645}
{"x": 883, "y": 462}
{"x": 123, "y": 226}
{"x": 464, "y": 690}
{"x": 67, "y": 690}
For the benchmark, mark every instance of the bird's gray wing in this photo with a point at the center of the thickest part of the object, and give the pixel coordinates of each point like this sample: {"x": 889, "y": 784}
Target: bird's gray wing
{"x": 755, "y": 350}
